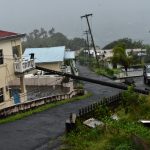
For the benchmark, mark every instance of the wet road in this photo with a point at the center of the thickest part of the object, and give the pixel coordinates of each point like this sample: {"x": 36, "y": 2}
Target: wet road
{"x": 140, "y": 83}
{"x": 40, "y": 131}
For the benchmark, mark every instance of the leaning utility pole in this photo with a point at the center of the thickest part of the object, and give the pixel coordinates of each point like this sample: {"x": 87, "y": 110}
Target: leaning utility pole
{"x": 86, "y": 16}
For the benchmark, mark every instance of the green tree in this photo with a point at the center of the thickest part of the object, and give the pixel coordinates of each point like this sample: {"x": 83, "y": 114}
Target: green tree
{"x": 127, "y": 42}
{"x": 120, "y": 57}
{"x": 146, "y": 58}
{"x": 42, "y": 38}
{"x": 51, "y": 31}
{"x": 76, "y": 43}
{"x": 58, "y": 39}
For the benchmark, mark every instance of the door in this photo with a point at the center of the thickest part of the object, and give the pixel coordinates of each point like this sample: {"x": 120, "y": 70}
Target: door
{"x": 16, "y": 96}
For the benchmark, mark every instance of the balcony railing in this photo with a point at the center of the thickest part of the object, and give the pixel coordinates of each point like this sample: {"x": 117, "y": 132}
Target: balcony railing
{"x": 23, "y": 66}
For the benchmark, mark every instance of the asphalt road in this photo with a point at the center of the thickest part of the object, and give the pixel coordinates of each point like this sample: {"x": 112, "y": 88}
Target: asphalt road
{"x": 139, "y": 82}
{"x": 42, "y": 131}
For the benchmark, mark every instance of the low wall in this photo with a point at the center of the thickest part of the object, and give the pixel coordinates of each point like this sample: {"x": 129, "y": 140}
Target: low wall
{"x": 37, "y": 102}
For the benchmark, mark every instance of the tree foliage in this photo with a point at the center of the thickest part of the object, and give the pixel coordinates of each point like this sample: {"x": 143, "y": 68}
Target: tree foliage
{"x": 120, "y": 57}
{"x": 127, "y": 42}
{"x": 130, "y": 99}
{"x": 76, "y": 43}
{"x": 43, "y": 38}
{"x": 147, "y": 57}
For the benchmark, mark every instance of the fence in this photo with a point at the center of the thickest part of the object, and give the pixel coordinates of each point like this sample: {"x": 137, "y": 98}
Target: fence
{"x": 37, "y": 102}
{"x": 112, "y": 100}
{"x": 86, "y": 112}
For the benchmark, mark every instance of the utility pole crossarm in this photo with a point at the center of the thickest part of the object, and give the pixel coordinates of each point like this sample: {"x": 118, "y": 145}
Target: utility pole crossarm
{"x": 87, "y": 15}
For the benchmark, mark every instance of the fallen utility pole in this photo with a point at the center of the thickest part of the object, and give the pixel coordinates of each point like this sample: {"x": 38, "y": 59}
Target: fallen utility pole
{"x": 114, "y": 85}
{"x": 86, "y": 16}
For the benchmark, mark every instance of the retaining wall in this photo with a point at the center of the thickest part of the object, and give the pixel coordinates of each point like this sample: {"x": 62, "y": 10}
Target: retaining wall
{"x": 37, "y": 102}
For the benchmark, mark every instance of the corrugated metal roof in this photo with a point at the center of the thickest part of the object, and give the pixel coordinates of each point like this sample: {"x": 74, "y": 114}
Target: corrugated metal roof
{"x": 70, "y": 55}
{"x": 6, "y": 33}
{"x": 49, "y": 54}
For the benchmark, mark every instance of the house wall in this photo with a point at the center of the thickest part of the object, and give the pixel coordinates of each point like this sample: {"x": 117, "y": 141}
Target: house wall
{"x": 40, "y": 80}
{"x": 7, "y": 70}
{"x": 53, "y": 66}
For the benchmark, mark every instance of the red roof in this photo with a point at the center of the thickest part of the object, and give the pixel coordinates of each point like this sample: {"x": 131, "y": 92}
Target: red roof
{"x": 4, "y": 34}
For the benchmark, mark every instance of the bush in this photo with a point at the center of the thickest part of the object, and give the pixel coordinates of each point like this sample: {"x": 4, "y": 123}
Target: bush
{"x": 130, "y": 100}
{"x": 101, "y": 112}
{"x": 119, "y": 142}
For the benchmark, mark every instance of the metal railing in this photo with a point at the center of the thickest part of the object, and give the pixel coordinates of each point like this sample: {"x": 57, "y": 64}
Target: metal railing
{"x": 23, "y": 66}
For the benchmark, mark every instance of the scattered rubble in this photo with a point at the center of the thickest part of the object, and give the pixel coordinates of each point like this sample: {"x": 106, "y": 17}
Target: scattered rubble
{"x": 93, "y": 123}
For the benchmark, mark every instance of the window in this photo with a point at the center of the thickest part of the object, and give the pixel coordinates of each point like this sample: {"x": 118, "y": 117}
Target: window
{"x": 16, "y": 51}
{"x": 1, "y": 56}
{"x": 1, "y": 95}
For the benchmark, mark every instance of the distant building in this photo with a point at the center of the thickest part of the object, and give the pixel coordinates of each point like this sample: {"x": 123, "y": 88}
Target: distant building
{"x": 52, "y": 58}
{"x": 102, "y": 54}
{"x": 70, "y": 61}
{"x": 107, "y": 54}
{"x": 138, "y": 51}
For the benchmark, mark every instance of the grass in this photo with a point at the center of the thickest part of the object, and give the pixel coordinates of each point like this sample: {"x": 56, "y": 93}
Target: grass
{"x": 114, "y": 135}
{"x": 102, "y": 70}
{"x": 97, "y": 139}
{"x": 107, "y": 71}
{"x": 42, "y": 108}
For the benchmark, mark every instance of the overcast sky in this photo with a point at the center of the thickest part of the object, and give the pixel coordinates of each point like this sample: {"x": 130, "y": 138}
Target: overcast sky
{"x": 112, "y": 19}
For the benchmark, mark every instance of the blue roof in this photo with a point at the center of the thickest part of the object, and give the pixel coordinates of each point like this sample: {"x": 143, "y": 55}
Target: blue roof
{"x": 69, "y": 54}
{"x": 44, "y": 55}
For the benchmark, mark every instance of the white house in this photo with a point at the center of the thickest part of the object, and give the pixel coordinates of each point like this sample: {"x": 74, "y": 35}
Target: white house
{"x": 12, "y": 67}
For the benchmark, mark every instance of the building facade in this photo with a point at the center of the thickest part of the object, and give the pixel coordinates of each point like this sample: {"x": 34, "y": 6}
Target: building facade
{"x": 49, "y": 57}
{"x": 11, "y": 67}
